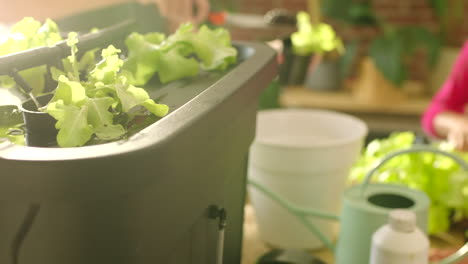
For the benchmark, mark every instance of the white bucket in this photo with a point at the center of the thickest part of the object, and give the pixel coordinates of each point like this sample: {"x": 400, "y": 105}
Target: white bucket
{"x": 304, "y": 156}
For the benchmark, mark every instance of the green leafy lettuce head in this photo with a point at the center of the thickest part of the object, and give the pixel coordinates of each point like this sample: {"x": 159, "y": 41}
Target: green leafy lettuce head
{"x": 438, "y": 176}
{"x": 180, "y": 55}
{"x": 314, "y": 38}
{"x": 90, "y": 107}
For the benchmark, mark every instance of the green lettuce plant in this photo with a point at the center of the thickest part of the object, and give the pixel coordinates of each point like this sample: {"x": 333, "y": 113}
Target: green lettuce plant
{"x": 438, "y": 176}
{"x": 26, "y": 34}
{"x": 314, "y": 38}
{"x": 89, "y": 107}
{"x": 182, "y": 54}
{"x": 101, "y": 100}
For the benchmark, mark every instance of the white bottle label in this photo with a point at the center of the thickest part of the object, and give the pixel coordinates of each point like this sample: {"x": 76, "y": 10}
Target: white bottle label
{"x": 382, "y": 256}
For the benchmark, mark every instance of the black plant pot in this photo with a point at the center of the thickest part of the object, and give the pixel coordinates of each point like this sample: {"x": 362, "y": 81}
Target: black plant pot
{"x": 39, "y": 126}
{"x": 293, "y": 70}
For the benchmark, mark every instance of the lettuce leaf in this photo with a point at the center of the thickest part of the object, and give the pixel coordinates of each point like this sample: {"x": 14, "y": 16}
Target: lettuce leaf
{"x": 178, "y": 56}
{"x": 102, "y": 119}
{"x": 131, "y": 96}
{"x": 214, "y": 49}
{"x": 86, "y": 108}
{"x": 107, "y": 69}
{"x": 143, "y": 56}
{"x": 70, "y": 92}
{"x": 174, "y": 66}
{"x": 26, "y": 34}
{"x": 72, "y": 123}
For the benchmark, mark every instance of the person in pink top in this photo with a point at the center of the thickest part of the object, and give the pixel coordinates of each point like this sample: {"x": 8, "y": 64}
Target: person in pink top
{"x": 446, "y": 116}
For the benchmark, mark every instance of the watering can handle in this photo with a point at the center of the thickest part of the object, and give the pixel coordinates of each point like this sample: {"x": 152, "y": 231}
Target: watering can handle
{"x": 463, "y": 251}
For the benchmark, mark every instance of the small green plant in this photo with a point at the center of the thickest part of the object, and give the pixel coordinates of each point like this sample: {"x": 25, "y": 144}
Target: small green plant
{"x": 391, "y": 49}
{"x": 103, "y": 99}
{"x": 438, "y": 176}
{"x": 314, "y": 38}
{"x": 393, "y": 45}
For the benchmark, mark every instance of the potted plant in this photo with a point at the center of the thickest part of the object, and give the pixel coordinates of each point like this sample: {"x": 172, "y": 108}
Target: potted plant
{"x": 98, "y": 101}
{"x": 387, "y": 50}
{"x": 305, "y": 48}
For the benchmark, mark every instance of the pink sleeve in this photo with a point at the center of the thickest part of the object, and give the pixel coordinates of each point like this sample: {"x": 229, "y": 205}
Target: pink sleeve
{"x": 452, "y": 96}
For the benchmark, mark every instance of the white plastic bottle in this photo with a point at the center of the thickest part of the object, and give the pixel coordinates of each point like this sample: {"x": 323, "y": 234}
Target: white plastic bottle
{"x": 400, "y": 241}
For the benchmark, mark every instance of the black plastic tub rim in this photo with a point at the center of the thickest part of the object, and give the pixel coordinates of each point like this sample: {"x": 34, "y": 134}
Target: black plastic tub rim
{"x": 259, "y": 55}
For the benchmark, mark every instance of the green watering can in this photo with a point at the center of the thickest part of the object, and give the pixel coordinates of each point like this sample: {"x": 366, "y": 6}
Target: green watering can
{"x": 365, "y": 209}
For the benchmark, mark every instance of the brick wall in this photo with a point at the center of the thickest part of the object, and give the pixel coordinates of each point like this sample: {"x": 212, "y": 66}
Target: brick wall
{"x": 396, "y": 12}
{"x": 400, "y": 12}
{"x": 262, "y": 6}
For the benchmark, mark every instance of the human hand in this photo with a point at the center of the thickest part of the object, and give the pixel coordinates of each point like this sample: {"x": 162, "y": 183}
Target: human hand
{"x": 454, "y": 127}
{"x": 458, "y": 134}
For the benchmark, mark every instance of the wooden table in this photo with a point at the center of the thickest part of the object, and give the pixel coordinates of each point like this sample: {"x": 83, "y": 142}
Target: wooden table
{"x": 384, "y": 117}
{"x": 253, "y": 247}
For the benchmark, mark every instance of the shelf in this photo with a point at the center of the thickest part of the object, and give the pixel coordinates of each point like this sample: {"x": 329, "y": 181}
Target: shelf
{"x": 297, "y": 96}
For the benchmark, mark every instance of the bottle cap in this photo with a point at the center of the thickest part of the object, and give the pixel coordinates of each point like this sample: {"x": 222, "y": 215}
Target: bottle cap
{"x": 402, "y": 220}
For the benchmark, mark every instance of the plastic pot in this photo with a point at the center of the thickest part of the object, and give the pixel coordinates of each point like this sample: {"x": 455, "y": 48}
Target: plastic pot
{"x": 39, "y": 126}
{"x": 325, "y": 77}
{"x": 293, "y": 70}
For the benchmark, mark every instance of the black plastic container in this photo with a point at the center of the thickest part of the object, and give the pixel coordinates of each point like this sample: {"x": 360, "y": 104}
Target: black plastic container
{"x": 145, "y": 199}
{"x": 39, "y": 126}
{"x": 150, "y": 198}
{"x": 294, "y": 68}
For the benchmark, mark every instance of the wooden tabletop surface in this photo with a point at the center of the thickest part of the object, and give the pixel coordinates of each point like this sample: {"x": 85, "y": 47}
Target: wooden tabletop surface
{"x": 253, "y": 247}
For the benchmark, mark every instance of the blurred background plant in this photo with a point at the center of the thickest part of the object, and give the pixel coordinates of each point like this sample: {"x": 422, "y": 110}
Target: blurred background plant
{"x": 314, "y": 38}
{"x": 305, "y": 49}
{"x": 392, "y": 46}
{"x": 450, "y": 14}
{"x": 438, "y": 176}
